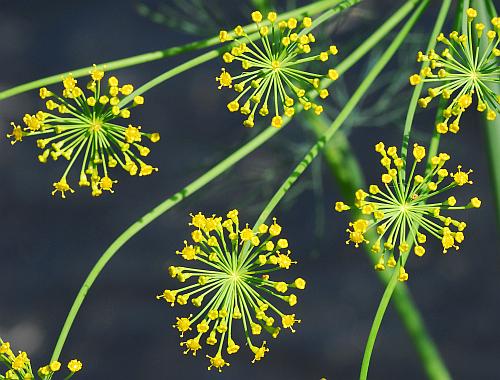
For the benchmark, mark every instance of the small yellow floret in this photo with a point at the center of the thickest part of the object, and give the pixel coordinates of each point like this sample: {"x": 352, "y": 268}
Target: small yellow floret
{"x": 415, "y": 79}
{"x": 75, "y": 365}
{"x": 256, "y": 16}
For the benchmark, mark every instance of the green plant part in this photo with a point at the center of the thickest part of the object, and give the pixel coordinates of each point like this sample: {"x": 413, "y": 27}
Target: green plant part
{"x": 233, "y": 286}
{"x": 466, "y": 69}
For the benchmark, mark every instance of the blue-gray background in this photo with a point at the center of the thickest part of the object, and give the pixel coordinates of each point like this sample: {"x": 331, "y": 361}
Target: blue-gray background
{"x": 47, "y": 246}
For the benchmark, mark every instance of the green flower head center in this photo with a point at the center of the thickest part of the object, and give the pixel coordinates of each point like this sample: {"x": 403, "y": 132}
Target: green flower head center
{"x": 404, "y": 207}
{"x": 235, "y": 277}
{"x": 96, "y": 125}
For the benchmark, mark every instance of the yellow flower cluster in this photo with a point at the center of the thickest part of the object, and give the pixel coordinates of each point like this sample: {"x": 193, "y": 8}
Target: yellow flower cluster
{"x": 84, "y": 128}
{"x": 234, "y": 284}
{"x": 403, "y": 209}
{"x": 19, "y": 366}
{"x": 273, "y": 77}
{"x": 466, "y": 68}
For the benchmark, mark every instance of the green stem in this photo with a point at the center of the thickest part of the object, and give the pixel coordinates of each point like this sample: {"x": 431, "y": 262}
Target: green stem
{"x": 163, "y": 207}
{"x": 171, "y": 73}
{"x": 224, "y": 165}
{"x": 436, "y": 136}
{"x": 346, "y": 111}
{"x": 261, "y": 5}
{"x": 490, "y": 8}
{"x": 386, "y": 297}
{"x": 486, "y": 11}
{"x": 384, "y": 302}
{"x": 418, "y": 88}
{"x": 312, "y": 9}
{"x": 345, "y": 169}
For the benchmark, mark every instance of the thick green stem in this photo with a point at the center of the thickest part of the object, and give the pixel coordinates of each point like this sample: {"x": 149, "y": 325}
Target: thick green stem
{"x": 311, "y": 9}
{"x": 345, "y": 169}
{"x": 386, "y": 297}
{"x": 163, "y": 207}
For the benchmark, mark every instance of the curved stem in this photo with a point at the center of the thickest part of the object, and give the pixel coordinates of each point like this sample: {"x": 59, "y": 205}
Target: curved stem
{"x": 382, "y": 307}
{"x": 312, "y": 9}
{"x": 201, "y": 181}
{"x": 163, "y": 207}
{"x": 490, "y": 7}
{"x": 386, "y": 297}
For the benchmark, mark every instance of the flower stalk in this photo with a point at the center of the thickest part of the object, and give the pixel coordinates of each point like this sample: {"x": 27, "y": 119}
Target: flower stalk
{"x": 386, "y": 297}
{"x": 345, "y": 169}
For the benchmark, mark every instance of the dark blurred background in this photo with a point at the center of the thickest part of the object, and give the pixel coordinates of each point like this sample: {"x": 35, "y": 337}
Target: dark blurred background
{"x": 48, "y": 246}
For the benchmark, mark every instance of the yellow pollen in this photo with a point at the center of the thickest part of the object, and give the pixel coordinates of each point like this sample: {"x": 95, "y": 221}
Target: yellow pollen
{"x": 96, "y": 125}
{"x": 275, "y": 65}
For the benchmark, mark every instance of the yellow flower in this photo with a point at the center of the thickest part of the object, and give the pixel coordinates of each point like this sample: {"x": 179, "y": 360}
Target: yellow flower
{"x": 20, "y": 361}
{"x": 75, "y": 365}
{"x": 217, "y": 362}
{"x": 55, "y": 366}
{"x": 233, "y": 282}
{"x": 405, "y": 205}
{"x": 84, "y": 129}
{"x": 274, "y": 78}
{"x": 466, "y": 70}
{"x": 20, "y": 367}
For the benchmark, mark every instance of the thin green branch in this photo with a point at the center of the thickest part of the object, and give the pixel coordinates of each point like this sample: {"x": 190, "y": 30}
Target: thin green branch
{"x": 311, "y": 9}
{"x": 216, "y": 52}
{"x": 436, "y": 136}
{"x": 418, "y": 88}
